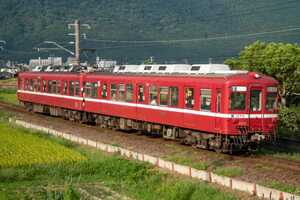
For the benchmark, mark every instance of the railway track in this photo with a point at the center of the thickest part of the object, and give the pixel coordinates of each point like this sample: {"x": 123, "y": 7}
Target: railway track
{"x": 289, "y": 169}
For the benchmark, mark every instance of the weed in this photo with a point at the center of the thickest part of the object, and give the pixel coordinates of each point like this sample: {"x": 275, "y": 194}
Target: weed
{"x": 229, "y": 171}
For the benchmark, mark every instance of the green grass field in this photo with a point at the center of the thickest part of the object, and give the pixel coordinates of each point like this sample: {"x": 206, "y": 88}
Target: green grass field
{"x": 18, "y": 149}
{"x": 43, "y": 167}
{"x": 9, "y": 96}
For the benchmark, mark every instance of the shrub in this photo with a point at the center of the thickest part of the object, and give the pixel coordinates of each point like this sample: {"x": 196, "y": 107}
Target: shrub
{"x": 289, "y": 119}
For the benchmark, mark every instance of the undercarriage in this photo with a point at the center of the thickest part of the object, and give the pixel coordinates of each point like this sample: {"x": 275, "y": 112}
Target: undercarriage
{"x": 244, "y": 142}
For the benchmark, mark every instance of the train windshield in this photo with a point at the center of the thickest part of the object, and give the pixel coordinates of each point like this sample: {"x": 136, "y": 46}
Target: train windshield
{"x": 271, "y": 100}
{"x": 237, "y": 101}
{"x": 238, "y": 98}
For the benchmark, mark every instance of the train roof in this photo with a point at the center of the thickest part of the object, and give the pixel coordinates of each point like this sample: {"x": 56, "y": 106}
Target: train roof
{"x": 248, "y": 77}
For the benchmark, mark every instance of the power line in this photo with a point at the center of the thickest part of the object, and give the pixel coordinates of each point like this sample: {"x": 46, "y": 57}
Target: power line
{"x": 254, "y": 10}
{"x": 199, "y": 39}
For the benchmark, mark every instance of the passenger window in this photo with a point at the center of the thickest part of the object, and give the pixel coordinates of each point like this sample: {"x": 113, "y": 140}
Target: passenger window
{"x": 94, "y": 90}
{"x": 58, "y": 87}
{"x": 163, "y": 93}
{"x": 153, "y": 95}
{"x": 26, "y": 84}
{"x": 141, "y": 95}
{"x": 271, "y": 104}
{"x": 44, "y": 86}
{"x": 71, "y": 88}
{"x": 121, "y": 90}
{"x": 104, "y": 91}
{"x": 237, "y": 100}
{"x": 113, "y": 91}
{"x": 35, "y": 85}
{"x": 65, "y": 87}
{"x": 205, "y": 99}
{"x": 53, "y": 87}
{"x": 38, "y": 85}
{"x": 87, "y": 89}
{"x": 49, "y": 86}
{"x": 219, "y": 101}
{"x": 255, "y": 100}
{"x": 189, "y": 97}
{"x": 31, "y": 85}
{"x": 173, "y": 96}
{"x": 129, "y": 92}
{"x": 77, "y": 88}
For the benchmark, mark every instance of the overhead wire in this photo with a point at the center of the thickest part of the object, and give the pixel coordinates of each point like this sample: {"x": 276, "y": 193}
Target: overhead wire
{"x": 199, "y": 39}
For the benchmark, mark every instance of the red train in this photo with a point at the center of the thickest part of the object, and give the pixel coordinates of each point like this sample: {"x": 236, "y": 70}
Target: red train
{"x": 223, "y": 111}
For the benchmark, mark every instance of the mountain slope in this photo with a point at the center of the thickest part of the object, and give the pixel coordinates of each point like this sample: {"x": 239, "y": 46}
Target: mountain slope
{"x": 24, "y": 24}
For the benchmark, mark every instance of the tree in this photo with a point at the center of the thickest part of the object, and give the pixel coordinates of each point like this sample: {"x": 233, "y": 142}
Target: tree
{"x": 279, "y": 60}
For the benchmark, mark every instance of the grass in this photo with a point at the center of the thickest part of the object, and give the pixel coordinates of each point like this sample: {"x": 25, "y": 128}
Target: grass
{"x": 9, "y": 81}
{"x": 18, "y": 147}
{"x": 9, "y": 96}
{"x": 131, "y": 178}
{"x": 281, "y": 153}
{"x": 229, "y": 171}
{"x": 184, "y": 160}
{"x": 282, "y": 186}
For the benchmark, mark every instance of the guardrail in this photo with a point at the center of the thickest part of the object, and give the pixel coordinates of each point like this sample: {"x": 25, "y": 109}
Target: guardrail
{"x": 234, "y": 184}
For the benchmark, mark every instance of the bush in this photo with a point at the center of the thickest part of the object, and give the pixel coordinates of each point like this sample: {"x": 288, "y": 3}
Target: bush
{"x": 289, "y": 119}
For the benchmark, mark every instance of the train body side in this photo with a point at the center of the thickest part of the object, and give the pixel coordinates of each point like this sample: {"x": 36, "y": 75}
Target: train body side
{"x": 218, "y": 119}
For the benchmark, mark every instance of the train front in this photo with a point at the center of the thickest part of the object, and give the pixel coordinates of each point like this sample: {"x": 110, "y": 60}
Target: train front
{"x": 253, "y": 109}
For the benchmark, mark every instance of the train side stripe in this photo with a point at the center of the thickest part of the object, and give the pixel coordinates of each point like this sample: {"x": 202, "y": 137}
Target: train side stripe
{"x": 163, "y": 108}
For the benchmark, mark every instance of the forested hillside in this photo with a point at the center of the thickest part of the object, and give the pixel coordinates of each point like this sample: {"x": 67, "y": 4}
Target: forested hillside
{"x": 26, "y": 23}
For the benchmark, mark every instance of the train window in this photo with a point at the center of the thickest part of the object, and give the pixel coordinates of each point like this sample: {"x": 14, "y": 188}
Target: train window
{"x": 205, "y": 99}
{"x": 163, "y": 93}
{"x": 49, "y": 86}
{"x": 34, "y": 85}
{"x": 31, "y": 84}
{"x": 219, "y": 101}
{"x": 58, "y": 87}
{"x": 53, "y": 87}
{"x": 189, "y": 98}
{"x": 38, "y": 85}
{"x": 153, "y": 95}
{"x": 94, "y": 90}
{"x": 271, "y": 101}
{"x": 104, "y": 91}
{"x": 129, "y": 92}
{"x": 44, "y": 86}
{"x": 255, "y": 100}
{"x": 237, "y": 101}
{"x": 71, "y": 84}
{"x": 88, "y": 89}
{"x": 77, "y": 88}
{"x": 141, "y": 95}
{"x": 121, "y": 91}
{"x": 26, "y": 84}
{"x": 113, "y": 91}
{"x": 65, "y": 87}
{"x": 173, "y": 98}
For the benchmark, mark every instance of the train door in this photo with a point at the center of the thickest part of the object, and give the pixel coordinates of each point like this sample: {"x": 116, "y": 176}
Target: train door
{"x": 256, "y": 108}
{"x": 218, "y": 120}
{"x": 141, "y": 101}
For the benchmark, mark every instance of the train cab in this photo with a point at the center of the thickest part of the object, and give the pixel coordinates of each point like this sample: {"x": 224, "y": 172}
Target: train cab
{"x": 252, "y": 105}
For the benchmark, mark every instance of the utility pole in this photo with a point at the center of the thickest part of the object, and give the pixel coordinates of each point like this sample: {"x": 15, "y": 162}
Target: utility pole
{"x": 77, "y": 41}
{"x": 77, "y": 35}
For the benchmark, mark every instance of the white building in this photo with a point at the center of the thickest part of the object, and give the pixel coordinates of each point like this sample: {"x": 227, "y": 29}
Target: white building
{"x": 57, "y": 61}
